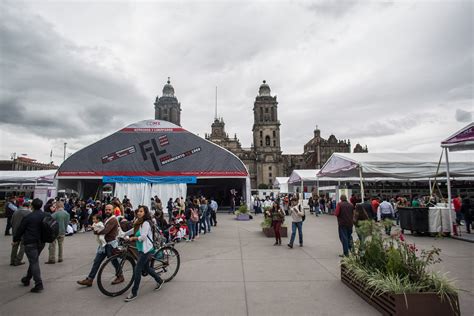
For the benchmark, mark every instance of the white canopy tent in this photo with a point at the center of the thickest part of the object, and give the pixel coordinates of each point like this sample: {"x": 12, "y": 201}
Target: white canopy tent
{"x": 281, "y": 183}
{"x": 461, "y": 140}
{"x": 30, "y": 176}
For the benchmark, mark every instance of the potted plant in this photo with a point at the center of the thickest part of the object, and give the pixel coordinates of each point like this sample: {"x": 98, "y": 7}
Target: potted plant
{"x": 268, "y": 229}
{"x": 393, "y": 276}
{"x": 242, "y": 213}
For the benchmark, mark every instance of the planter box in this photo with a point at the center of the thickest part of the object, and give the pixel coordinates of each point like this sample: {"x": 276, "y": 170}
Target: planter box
{"x": 269, "y": 232}
{"x": 243, "y": 217}
{"x": 419, "y": 304}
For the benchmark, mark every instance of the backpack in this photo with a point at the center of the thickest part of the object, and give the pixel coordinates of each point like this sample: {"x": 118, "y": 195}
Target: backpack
{"x": 194, "y": 215}
{"x": 49, "y": 229}
{"x": 304, "y": 213}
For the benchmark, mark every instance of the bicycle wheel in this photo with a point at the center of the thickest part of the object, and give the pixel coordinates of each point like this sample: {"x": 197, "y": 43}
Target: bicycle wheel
{"x": 168, "y": 263}
{"x": 108, "y": 273}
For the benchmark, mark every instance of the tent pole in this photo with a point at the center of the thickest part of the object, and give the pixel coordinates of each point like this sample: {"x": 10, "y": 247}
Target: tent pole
{"x": 448, "y": 182}
{"x": 317, "y": 186}
{"x": 431, "y": 190}
{"x": 361, "y": 184}
{"x": 301, "y": 192}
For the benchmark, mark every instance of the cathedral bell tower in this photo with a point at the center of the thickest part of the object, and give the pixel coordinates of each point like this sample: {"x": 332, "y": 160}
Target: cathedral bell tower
{"x": 167, "y": 107}
{"x": 266, "y": 136}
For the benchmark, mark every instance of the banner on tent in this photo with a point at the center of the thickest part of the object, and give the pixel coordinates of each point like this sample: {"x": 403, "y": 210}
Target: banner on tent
{"x": 139, "y": 179}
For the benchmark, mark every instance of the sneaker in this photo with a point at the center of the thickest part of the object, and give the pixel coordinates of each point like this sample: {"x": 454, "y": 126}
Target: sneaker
{"x": 37, "y": 289}
{"x": 25, "y": 281}
{"x": 291, "y": 246}
{"x": 50, "y": 262}
{"x": 159, "y": 285}
{"x": 130, "y": 297}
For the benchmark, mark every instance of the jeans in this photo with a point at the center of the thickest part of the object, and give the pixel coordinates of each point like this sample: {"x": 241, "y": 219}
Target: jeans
{"x": 202, "y": 223}
{"x": 99, "y": 257}
{"x": 18, "y": 251}
{"x": 294, "y": 226}
{"x": 322, "y": 207}
{"x": 208, "y": 222}
{"x": 317, "y": 210}
{"x": 191, "y": 229}
{"x": 52, "y": 249}
{"x": 345, "y": 235}
{"x": 9, "y": 225}
{"x": 388, "y": 228}
{"x": 459, "y": 217}
{"x": 213, "y": 219}
{"x": 143, "y": 264}
{"x": 33, "y": 252}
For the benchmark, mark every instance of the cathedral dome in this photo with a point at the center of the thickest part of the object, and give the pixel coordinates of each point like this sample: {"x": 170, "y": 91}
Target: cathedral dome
{"x": 264, "y": 89}
{"x": 168, "y": 90}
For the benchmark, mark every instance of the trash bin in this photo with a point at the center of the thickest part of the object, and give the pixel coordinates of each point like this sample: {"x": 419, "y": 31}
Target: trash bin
{"x": 415, "y": 219}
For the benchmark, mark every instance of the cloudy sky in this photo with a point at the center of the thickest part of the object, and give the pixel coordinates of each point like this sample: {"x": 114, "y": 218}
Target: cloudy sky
{"x": 396, "y": 76}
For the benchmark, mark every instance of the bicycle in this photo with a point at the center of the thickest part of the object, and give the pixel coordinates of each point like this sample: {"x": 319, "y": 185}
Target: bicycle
{"x": 165, "y": 261}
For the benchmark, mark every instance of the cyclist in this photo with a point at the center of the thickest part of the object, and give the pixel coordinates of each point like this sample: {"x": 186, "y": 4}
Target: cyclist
{"x": 142, "y": 234}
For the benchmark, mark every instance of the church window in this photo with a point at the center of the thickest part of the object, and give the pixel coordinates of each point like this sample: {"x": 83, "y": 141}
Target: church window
{"x": 266, "y": 110}
{"x": 270, "y": 168}
{"x": 267, "y": 140}
{"x": 274, "y": 143}
{"x": 273, "y": 115}
{"x": 274, "y": 134}
{"x": 270, "y": 175}
{"x": 261, "y": 134}
{"x": 261, "y": 114}
{"x": 261, "y": 143}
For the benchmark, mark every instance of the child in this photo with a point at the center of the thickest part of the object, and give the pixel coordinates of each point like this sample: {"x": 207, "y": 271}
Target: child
{"x": 98, "y": 226}
{"x": 74, "y": 225}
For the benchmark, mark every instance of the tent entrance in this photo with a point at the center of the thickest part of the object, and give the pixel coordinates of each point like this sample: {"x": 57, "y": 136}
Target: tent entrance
{"x": 219, "y": 189}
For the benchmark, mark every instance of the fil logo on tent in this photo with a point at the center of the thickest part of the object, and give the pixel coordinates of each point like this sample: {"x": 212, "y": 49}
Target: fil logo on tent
{"x": 150, "y": 150}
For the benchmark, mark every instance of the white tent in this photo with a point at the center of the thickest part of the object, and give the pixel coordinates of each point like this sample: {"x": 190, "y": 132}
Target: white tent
{"x": 461, "y": 140}
{"x": 281, "y": 183}
{"x": 395, "y": 165}
{"x": 30, "y": 176}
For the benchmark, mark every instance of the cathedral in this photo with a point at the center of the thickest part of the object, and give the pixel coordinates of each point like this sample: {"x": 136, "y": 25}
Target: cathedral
{"x": 264, "y": 159}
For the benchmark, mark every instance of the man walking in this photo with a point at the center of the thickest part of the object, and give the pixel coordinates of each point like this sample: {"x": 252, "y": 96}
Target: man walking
{"x": 18, "y": 248}
{"x": 213, "y": 205}
{"x": 385, "y": 210}
{"x": 30, "y": 232}
{"x": 62, "y": 217}
{"x": 10, "y": 208}
{"x": 345, "y": 214}
{"x": 110, "y": 232}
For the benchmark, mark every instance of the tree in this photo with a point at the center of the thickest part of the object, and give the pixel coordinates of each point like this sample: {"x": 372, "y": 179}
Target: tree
{"x": 263, "y": 186}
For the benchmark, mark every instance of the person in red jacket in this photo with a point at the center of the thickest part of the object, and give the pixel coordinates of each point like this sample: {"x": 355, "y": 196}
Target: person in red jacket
{"x": 457, "y": 208}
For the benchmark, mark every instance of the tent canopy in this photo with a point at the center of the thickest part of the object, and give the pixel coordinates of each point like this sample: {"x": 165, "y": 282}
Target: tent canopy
{"x": 153, "y": 148}
{"x": 30, "y": 176}
{"x": 299, "y": 175}
{"x": 280, "y": 180}
{"x": 461, "y": 140}
{"x": 396, "y": 165}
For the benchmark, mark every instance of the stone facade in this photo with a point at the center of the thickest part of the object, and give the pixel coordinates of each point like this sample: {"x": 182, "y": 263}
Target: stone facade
{"x": 167, "y": 107}
{"x": 24, "y": 163}
{"x": 264, "y": 159}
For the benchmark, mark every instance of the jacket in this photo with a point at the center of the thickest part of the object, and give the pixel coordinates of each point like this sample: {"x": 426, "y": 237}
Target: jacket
{"x": 18, "y": 217}
{"x": 345, "y": 214}
{"x": 111, "y": 229}
{"x": 30, "y": 228}
{"x": 62, "y": 217}
{"x": 146, "y": 236}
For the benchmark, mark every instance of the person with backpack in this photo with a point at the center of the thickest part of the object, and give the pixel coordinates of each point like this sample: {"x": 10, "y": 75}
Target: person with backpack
{"x": 10, "y": 208}
{"x": 192, "y": 217}
{"x": 143, "y": 233}
{"x": 205, "y": 223}
{"x": 278, "y": 216}
{"x": 31, "y": 232}
{"x": 297, "y": 216}
{"x": 62, "y": 217}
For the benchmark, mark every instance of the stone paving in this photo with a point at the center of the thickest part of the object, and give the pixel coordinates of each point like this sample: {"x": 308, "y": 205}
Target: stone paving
{"x": 234, "y": 270}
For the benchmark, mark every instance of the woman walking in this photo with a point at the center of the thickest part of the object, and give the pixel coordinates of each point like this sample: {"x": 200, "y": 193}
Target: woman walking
{"x": 278, "y": 216}
{"x": 143, "y": 236}
{"x": 297, "y": 222}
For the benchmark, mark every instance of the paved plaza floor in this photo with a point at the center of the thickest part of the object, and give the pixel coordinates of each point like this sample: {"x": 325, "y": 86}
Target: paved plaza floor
{"x": 234, "y": 270}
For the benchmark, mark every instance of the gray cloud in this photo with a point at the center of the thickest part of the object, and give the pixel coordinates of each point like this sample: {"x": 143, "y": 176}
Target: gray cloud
{"x": 463, "y": 116}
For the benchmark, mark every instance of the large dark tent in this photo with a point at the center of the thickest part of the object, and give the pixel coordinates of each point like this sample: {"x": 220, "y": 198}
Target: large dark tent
{"x": 151, "y": 158}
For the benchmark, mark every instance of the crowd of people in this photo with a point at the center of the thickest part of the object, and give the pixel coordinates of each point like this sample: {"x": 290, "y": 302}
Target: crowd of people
{"x": 108, "y": 219}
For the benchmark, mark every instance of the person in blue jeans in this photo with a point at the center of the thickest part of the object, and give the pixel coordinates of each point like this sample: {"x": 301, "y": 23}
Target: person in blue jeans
{"x": 192, "y": 219}
{"x": 345, "y": 220}
{"x": 142, "y": 234}
{"x": 297, "y": 222}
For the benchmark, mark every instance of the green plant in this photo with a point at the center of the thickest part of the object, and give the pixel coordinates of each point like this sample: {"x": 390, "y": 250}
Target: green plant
{"x": 266, "y": 223}
{"x": 242, "y": 210}
{"x": 262, "y": 186}
{"x": 392, "y": 265}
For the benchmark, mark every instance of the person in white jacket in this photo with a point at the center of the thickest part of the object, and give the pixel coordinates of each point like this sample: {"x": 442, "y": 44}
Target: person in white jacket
{"x": 142, "y": 234}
